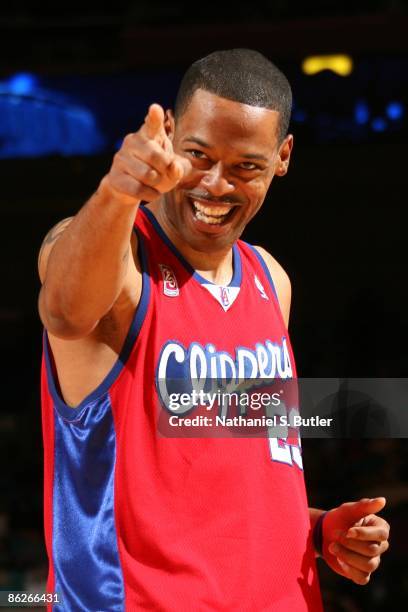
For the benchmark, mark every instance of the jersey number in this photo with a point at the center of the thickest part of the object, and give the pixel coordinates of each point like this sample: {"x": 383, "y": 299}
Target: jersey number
{"x": 282, "y": 450}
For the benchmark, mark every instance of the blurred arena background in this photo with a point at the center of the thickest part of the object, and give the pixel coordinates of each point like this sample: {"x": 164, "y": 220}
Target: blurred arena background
{"x": 75, "y": 80}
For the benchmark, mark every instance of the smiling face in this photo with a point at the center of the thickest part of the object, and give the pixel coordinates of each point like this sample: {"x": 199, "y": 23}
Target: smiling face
{"x": 234, "y": 152}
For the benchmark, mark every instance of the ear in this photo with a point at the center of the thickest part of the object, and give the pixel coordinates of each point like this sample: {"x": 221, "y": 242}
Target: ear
{"x": 169, "y": 123}
{"x": 283, "y": 159}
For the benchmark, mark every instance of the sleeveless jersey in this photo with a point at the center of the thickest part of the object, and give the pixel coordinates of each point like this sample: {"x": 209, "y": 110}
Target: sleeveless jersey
{"x": 139, "y": 520}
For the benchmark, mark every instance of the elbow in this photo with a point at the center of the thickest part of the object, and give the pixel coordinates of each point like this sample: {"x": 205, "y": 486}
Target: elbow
{"x": 60, "y": 325}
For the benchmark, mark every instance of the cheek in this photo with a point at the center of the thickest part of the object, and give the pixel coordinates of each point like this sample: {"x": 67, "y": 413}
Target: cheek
{"x": 258, "y": 193}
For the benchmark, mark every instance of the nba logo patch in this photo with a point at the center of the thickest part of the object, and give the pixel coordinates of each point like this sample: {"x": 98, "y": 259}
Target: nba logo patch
{"x": 260, "y": 288}
{"x": 170, "y": 286}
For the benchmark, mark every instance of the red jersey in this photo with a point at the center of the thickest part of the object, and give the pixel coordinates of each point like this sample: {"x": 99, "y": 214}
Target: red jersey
{"x": 136, "y": 520}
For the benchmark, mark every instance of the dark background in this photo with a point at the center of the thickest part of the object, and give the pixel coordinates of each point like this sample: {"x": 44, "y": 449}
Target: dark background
{"x": 336, "y": 222}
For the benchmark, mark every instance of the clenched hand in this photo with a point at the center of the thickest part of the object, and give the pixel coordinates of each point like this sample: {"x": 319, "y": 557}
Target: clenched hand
{"x": 354, "y": 538}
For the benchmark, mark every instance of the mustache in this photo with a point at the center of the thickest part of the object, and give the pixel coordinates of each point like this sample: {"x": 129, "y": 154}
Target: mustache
{"x": 202, "y": 195}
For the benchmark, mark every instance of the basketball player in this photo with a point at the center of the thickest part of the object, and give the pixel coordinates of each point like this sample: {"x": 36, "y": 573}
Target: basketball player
{"x": 133, "y": 295}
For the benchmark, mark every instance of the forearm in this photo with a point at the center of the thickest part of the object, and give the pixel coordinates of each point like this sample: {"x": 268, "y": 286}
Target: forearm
{"x": 87, "y": 264}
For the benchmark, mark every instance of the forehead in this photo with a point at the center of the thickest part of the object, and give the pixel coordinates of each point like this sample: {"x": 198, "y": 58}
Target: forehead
{"x": 214, "y": 120}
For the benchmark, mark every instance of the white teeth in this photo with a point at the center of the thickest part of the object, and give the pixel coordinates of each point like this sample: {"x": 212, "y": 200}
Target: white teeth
{"x": 210, "y": 220}
{"x": 213, "y": 215}
{"x": 212, "y": 211}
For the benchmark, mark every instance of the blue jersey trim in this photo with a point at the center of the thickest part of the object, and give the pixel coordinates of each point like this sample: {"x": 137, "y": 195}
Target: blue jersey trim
{"x": 72, "y": 414}
{"x": 264, "y": 267}
{"x": 87, "y": 568}
{"x": 236, "y": 257}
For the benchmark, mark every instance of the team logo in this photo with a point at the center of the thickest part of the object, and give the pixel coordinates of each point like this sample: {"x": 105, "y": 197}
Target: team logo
{"x": 260, "y": 288}
{"x": 225, "y": 301}
{"x": 225, "y": 296}
{"x": 170, "y": 286}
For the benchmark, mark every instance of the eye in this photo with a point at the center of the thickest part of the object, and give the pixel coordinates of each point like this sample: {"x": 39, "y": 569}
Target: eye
{"x": 197, "y": 153}
{"x": 248, "y": 166}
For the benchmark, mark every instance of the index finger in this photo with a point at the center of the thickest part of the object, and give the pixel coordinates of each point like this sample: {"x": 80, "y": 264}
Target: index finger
{"x": 154, "y": 121}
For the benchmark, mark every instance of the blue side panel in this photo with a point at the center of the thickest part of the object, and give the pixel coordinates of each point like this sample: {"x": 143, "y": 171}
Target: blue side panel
{"x": 88, "y": 575}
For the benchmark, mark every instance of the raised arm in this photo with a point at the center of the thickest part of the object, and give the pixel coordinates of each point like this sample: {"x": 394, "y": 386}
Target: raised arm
{"x": 84, "y": 260}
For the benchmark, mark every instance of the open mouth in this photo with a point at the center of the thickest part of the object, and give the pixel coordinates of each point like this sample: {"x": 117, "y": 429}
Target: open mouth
{"x": 211, "y": 214}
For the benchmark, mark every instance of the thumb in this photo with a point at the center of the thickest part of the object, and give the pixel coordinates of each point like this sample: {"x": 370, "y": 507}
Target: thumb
{"x": 185, "y": 165}
{"x": 179, "y": 168}
{"x": 357, "y": 510}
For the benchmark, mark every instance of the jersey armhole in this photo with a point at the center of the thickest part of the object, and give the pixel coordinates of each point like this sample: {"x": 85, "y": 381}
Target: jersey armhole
{"x": 70, "y": 413}
{"x": 265, "y": 269}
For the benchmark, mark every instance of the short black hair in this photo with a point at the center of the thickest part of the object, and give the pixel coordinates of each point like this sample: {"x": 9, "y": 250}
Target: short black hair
{"x": 241, "y": 75}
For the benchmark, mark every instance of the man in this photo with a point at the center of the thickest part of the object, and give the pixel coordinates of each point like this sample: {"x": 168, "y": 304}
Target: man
{"x": 135, "y": 520}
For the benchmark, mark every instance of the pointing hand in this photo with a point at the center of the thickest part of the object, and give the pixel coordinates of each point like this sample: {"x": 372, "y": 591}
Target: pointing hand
{"x": 146, "y": 165}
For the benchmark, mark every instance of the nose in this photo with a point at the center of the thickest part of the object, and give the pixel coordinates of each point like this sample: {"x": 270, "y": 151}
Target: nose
{"x": 215, "y": 182}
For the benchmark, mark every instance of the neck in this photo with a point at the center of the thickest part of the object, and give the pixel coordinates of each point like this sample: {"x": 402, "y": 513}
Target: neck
{"x": 215, "y": 266}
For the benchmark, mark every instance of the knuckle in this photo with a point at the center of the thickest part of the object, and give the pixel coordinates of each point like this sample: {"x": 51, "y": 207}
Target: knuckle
{"x": 151, "y": 176}
{"x": 374, "y": 548}
{"x": 159, "y": 159}
{"x": 362, "y": 580}
{"x": 373, "y": 563}
{"x": 128, "y": 139}
{"x": 117, "y": 159}
{"x": 133, "y": 141}
{"x": 384, "y": 534}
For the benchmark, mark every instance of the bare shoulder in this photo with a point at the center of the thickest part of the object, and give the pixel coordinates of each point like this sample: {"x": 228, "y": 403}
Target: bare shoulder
{"x": 281, "y": 281}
